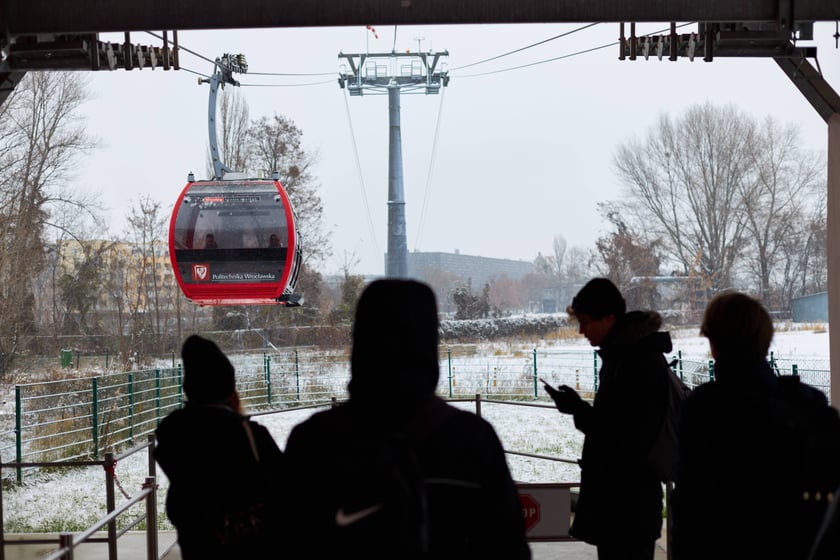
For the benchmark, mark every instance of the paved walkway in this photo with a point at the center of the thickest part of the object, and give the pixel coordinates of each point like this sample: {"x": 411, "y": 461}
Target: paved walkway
{"x": 132, "y": 546}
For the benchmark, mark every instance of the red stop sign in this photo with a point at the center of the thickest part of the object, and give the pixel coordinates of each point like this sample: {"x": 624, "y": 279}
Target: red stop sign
{"x": 530, "y": 510}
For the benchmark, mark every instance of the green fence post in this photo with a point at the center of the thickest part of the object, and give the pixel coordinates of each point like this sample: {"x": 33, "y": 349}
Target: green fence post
{"x": 173, "y": 359}
{"x": 180, "y": 385}
{"x": 795, "y": 369}
{"x": 595, "y": 370}
{"x": 297, "y": 376}
{"x": 18, "y": 434}
{"x": 157, "y": 395}
{"x": 711, "y": 370}
{"x": 131, "y": 407}
{"x": 78, "y": 358}
{"x": 536, "y": 390}
{"x": 268, "y": 377}
{"x": 95, "y": 416}
{"x": 449, "y": 365}
{"x": 680, "y": 364}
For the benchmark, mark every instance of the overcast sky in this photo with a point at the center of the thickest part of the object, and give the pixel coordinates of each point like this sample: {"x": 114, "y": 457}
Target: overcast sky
{"x": 504, "y": 159}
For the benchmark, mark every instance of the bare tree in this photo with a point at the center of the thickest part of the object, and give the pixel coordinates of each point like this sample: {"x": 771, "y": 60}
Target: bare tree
{"x": 351, "y": 289}
{"x": 777, "y": 196}
{"x": 507, "y": 295}
{"x": 232, "y": 130}
{"x": 41, "y": 138}
{"x": 683, "y": 185}
{"x": 145, "y": 236}
{"x": 804, "y": 268}
{"x": 276, "y": 144}
{"x": 629, "y": 260}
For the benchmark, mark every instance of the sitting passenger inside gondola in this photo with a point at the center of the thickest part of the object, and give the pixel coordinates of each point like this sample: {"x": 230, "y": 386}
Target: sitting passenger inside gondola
{"x": 210, "y": 241}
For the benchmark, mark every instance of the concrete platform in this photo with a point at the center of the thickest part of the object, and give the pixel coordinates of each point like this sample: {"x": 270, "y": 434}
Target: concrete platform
{"x": 132, "y": 546}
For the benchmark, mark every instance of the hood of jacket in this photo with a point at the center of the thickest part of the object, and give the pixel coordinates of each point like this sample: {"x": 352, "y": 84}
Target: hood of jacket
{"x": 637, "y": 330}
{"x": 395, "y": 344}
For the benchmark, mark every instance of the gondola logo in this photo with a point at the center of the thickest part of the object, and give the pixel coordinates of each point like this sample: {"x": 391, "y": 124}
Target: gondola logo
{"x": 200, "y": 272}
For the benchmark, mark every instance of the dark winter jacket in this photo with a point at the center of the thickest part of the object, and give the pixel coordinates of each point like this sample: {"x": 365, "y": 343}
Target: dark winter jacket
{"x": 204, "y": 451}
{"x": 473, "y": 510}
{"x": 620, "y": 495}
{"x": 736, "y": 494}
{"x": 396, "y": 471}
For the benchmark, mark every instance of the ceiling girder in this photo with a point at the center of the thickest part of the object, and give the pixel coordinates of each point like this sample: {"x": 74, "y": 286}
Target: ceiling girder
{"x": 91, "y": 16}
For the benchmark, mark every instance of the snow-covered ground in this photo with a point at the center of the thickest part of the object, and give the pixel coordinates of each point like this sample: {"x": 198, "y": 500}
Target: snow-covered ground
{"x": 72, "y": 501}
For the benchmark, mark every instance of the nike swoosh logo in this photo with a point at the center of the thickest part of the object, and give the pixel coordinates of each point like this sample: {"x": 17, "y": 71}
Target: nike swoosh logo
{"x": 343, "y": 519}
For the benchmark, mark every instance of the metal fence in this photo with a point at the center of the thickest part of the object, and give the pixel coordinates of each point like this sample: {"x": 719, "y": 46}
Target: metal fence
{"x": 83, "y": 418}
{"x": 66, "y": 541}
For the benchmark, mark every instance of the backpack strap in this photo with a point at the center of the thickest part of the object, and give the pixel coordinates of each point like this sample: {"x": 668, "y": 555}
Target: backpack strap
{"x": 250, "y": 435}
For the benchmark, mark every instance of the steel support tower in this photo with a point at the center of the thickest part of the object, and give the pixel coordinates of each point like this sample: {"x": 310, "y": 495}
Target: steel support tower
{"x": 393, "y": 73}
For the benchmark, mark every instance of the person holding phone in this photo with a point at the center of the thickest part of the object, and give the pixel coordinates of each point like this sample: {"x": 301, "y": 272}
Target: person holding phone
{"x": 620, "y": 504}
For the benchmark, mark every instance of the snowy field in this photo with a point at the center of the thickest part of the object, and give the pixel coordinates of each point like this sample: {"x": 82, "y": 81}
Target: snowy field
{"x": 72, "y": 501}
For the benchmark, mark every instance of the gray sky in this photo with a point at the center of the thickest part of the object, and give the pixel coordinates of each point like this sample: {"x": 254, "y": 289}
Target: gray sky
{"x": 521, "y": 155}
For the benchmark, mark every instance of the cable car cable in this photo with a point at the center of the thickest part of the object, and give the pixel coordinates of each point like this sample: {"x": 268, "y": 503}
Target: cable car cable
{"x": 556, "y": 58}
{"x": 194, "y": 72}
{"x": 183, "y": 48}
{"x": 526, "y": 47}
{"x": 290, "y": 85}
{"x": 427, "y": 193}
{"x": 361, "y": 176}
{"x": 291, "y": 74}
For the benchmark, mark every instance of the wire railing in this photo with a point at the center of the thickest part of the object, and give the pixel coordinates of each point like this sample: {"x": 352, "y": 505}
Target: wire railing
{"x": 81, "y": 418}
{"x": 68, "y": 541}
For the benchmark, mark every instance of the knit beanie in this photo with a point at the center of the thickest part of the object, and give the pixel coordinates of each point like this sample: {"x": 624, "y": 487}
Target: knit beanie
{"x": 598, "y": 298}
{"x": 208, "y": 374}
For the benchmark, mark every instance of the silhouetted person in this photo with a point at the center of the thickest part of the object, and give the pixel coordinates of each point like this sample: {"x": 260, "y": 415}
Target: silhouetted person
{"x": 396, "y": 472}
{"x": 273, "y": 241}
{"x": 224, "y": 470}
{"x": 620, "y": 504}
{"x": 738, "y": 491}
{"x": 210, "y": 241}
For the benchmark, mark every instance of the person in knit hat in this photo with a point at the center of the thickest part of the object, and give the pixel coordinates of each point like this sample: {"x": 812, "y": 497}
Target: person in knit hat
{"x": 376, "y": 477}
{"x": 208, "y": 374}
{"x": 223, "y": 468}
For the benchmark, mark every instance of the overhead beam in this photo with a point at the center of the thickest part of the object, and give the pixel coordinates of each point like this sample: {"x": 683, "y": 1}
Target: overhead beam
{"x": 8, "y": 81}
{"x": 813, "y": 86}
{"x": 89, "y": 16}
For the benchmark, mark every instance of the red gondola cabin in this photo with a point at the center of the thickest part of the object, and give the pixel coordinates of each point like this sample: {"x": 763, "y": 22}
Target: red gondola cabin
{"x": 233, "y": 242}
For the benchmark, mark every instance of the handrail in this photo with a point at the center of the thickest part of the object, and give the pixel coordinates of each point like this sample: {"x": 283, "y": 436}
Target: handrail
{"x": 64, "y": 541}
{"x": 76, "y": 539}
{"x": 546, "y": 457}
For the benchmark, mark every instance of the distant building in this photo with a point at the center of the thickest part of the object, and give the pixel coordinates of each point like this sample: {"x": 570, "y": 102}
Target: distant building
{"x": 810, "y": 309}
{"x": 446, "y": 271}
{"x": 479, "y": 270}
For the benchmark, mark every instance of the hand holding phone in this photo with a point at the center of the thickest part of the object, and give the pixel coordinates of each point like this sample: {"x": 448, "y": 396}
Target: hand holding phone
{"x": 565, "y": 398}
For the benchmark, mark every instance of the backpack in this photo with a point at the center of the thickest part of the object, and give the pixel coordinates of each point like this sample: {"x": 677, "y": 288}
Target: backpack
{"x": 662, "y": 456}
{"x": 383, "y": 503}
{"x": 809, "y": 433}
